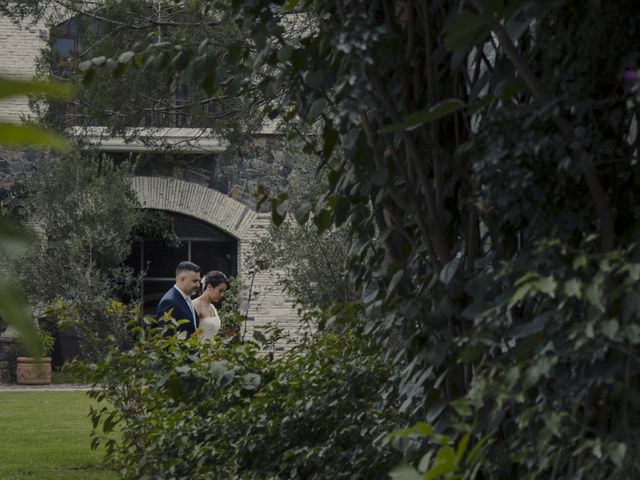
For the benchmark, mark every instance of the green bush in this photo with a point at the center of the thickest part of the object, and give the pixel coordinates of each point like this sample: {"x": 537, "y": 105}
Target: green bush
{"x": 187, "y": 410}
{"x": 83, "y": 208}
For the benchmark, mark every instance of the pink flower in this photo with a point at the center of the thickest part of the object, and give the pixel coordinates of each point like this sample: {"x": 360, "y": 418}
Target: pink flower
{"x": 631, "y": 76}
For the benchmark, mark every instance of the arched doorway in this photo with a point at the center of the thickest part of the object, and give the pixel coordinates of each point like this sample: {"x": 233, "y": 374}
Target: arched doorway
{"x": 201, "y": 243}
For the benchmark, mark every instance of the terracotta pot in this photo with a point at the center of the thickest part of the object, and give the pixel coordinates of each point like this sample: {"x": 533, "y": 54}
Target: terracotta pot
{"x": 33, "y": 371}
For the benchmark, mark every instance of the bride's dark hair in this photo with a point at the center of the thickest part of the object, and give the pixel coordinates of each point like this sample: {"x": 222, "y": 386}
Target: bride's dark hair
{"x": 214, "y": 279}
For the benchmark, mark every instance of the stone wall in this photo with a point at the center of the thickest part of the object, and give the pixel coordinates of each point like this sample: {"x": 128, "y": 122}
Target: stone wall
{"x": 20, "y": 47}
{"x": 266, "y": 160}
{"x": 8, "y": 354}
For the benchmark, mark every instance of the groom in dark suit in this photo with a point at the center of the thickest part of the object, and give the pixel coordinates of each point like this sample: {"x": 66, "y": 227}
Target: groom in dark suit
{"x": 178, "y": 299}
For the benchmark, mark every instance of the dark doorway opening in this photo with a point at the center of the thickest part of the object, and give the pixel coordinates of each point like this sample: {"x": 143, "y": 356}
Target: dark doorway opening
{"x": 200, "y": 243}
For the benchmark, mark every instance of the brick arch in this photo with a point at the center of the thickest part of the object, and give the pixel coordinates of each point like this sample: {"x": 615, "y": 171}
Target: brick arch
{"x": 205, "y": 204}
{"x": 268, "y": 305}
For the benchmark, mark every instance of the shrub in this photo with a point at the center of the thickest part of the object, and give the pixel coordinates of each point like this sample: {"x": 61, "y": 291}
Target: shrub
{"x": 223, "y": 410}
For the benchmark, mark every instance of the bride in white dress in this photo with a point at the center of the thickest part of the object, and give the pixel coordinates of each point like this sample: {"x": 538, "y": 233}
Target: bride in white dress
{"x": 214, "y": 284}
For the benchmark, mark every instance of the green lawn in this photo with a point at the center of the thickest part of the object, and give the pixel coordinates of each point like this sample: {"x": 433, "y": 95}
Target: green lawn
{"x": 45, "y": 436}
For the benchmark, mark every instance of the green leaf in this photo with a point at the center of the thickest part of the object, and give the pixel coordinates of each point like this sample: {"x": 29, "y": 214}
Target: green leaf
{"x": 85, "y": 66}
{"x": 573, "y": 288}
{"x": 404, "y": 471}
{"x": 302, "y": 213}
{"x": 209, "y": 83}
{"x": 462, "y": 446}
{"x": 580, "y": 262}
{"x": 597, "y": 449}
{"x": 420, "y": 429}
{"x": 610, "y": 328}
{"x": 259, "y": 337}
{"x": 465, "y": 28}
{"x": 12, "y": 88}
{"x": 183, "y": 369}
{"x": 322, "y": 220}
{"x": 462, "y": 407}
{"x": 440, "y": 469}
{"x": 285, "y": 52}
{"x": 553, "y": 422}
{"x": 442, "y": 109}
{"x": 507, "y": 89}
{"x": 588, "y": 330}
{"x": 481, "y": 103}
{"x": 593, "y": 293}
{"x": 617, "y": 452}
{"x": 13, "y": 240}
{"x": 317, "y": 107}
{"x": 260, "y": 196}
{"x": 380, "y": 177}
{"x": 330, "y": 138}
{"x": 370, "y": 292}
{"x": 14, "y": 311}
{"x": 534, "y": 326}
{"x": 99, "y": 61}
{"x": 546, "y": 285}
{"x": 88, "y": 76}
{"x": 449, "y": 270}
{"x": 395, "y": 280}
{"x": 250, "y": 381}
{"x": 520, "y": 294}
{"x": 276, "y": 218}
{"x": 180, "y": 61}
{"x": 126, "y": 56}
{"x": 174, "y": 388}
{"x": 218, "y": 368}
{"x": 28, "y": 135}
{"x": 290, "y": 5}
{"x": 634, "y": 271}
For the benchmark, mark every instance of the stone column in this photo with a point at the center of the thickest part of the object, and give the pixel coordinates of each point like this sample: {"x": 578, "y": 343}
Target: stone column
{"x": 8, "y": 354}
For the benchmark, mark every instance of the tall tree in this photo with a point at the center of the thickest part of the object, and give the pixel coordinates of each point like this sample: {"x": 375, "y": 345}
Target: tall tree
{"x": 489, "y": 163}
{"x": 485, "y": 145}
{"x": 193, "y": 36}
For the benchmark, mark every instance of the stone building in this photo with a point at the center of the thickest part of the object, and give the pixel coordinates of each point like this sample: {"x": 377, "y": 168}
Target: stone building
{"x": 208, "y": 191}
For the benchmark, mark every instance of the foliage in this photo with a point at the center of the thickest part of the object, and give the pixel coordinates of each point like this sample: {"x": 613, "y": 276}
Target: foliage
{"x": 126, "y": 91}
{"x": 15, "y": 241}
{"x": 557, "y": 356}
{"x": 190, "y": 410}
{"x": 230, "y": 315}
{"x": 311, "y": 265}
{"x": 439, "y": 186}
{"x": 474, "y": 136}
{"x": 84, "y": 208}
{"x": 45, "y": 343}
{"x": 156, "y": 224}
{"x": 30, "y": 135}
{"x": 443, "y": 459}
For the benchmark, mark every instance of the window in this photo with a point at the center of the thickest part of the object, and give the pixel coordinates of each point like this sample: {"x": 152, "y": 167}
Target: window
{"x": 205, "y": 245}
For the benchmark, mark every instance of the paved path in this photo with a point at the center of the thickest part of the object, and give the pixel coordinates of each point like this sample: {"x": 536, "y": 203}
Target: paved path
{"x": 58, "y": 387}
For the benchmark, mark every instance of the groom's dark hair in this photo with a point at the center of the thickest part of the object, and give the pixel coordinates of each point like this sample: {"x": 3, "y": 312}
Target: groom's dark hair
{"x": 186, "y": 267}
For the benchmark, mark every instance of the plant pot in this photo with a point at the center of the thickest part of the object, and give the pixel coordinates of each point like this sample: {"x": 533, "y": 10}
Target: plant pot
{"x": 33, "y": 371}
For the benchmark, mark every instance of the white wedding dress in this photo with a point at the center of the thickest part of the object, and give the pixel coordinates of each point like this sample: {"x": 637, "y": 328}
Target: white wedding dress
{"x": 210, "y": 325}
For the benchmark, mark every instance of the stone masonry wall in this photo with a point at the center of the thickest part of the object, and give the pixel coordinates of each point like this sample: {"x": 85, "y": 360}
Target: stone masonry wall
{"x": 8, "y": 353}
{"x": 20, "y": 47}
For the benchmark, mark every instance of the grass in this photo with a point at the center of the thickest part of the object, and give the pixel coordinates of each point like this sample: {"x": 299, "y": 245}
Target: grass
{"x": 45, "y": 436}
